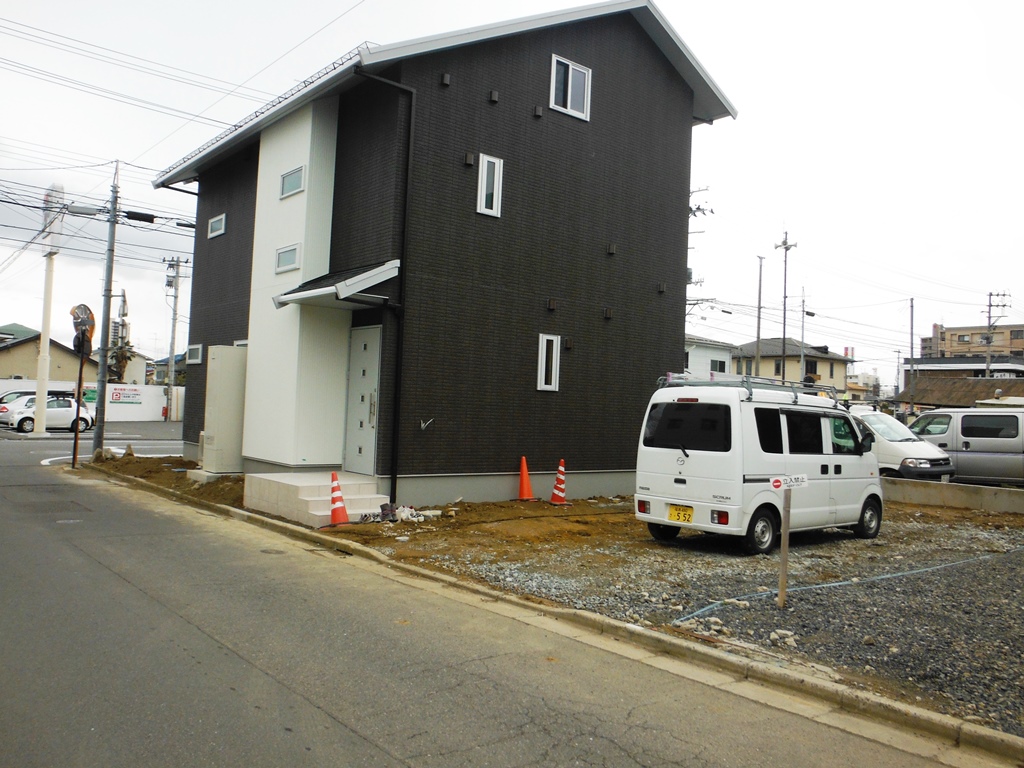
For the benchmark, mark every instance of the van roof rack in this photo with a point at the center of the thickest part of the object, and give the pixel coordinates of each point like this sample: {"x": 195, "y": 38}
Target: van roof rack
{"x": 750, "y": 383}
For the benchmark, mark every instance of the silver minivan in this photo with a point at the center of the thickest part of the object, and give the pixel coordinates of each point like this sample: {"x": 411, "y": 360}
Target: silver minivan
{"x": 986, "y": 445}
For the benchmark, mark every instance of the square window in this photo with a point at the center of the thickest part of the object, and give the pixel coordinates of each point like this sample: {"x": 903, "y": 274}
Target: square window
{"x": 287, "y": 258}
{"x": 570, "y": 88}
{"x": 548, "y": 353}
{"x": 194, "y": 356}
{"x": 293, "y": 182}
{"x": 488, "y": 195}
{"x": 718, "y": 366}
{"x": 216, "y": 226}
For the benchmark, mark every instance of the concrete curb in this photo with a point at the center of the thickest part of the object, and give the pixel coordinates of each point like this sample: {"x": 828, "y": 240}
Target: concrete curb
{"x": 956, "y": 731}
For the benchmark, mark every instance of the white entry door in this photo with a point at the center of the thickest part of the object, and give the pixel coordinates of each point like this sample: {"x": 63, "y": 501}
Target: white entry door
{"x": 363, "y": 383}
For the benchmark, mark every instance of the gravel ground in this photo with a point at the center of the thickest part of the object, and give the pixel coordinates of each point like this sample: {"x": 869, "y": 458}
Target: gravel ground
{"x": 931, "y": 614}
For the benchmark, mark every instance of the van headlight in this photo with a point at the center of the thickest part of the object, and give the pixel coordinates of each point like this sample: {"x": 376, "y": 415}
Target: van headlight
{"x": 919, "y": 463}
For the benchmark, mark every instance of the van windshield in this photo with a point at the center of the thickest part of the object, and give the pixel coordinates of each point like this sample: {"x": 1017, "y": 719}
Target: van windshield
{"x": 689, "y": 426}
{"x": 887, "y": 428}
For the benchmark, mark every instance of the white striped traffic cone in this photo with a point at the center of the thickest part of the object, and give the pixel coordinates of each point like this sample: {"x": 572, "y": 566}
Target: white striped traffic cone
{"x": 339, "y": 515}
{"x": 558, "y": 494}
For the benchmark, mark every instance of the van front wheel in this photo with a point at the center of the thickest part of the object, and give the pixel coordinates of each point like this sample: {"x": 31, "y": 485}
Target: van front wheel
{"x": 663, "y": 532}
{"x": 870, "y": 520}
{"x": 761, "y": 533}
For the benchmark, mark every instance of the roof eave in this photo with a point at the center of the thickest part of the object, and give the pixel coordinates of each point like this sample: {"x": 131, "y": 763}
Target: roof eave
{"x": 709, "y": 103}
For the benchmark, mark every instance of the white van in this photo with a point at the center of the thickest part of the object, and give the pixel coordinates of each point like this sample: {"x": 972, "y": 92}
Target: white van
{"x": 985, "y": 444}
{"x": 709, "y": 451}
{"x": 899, "y": 451}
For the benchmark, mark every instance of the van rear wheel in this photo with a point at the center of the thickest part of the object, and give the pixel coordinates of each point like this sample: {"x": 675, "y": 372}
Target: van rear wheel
{"x": 870, "y": 520}
{"x": 761, "y": 533}
{"x": 663, "y": 532}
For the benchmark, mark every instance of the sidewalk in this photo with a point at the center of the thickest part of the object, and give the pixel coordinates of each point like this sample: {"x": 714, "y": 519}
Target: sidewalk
{"x": 114, "y": 430}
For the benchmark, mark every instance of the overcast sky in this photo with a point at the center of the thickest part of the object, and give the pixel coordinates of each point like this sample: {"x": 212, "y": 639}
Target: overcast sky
{"x": 884, "y": 137}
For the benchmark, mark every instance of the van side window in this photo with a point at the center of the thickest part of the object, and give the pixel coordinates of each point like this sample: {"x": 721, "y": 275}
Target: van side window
{"x": 931, "y": 425}
{"x": 769, "y": 429}
{"x": 693, "y": 426}
{"x": 989, "y": 426}
{"x": 844, "y": 439}
{"x": 804, "y": 430}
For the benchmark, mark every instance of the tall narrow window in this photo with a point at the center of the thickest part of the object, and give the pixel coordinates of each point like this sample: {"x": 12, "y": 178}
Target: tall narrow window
{"x": 488, "y": 196}
{"x": 570, "y": 88}
{"x": 548, "y": 362}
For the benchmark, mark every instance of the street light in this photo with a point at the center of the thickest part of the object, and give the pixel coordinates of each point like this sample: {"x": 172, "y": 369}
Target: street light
{"x": 785, "y": 245}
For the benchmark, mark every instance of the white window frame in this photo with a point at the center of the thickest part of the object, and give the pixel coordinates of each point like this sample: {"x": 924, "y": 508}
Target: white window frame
{"x": 213, "y": 223}
{"x": 486, "y": 163}
{"x": 301, "y": 170}
{"x": 573, "y": 67}
{"x": 289, "y": 267}
{"x": 194, "y": 355}
{"x": 549, "y": 349}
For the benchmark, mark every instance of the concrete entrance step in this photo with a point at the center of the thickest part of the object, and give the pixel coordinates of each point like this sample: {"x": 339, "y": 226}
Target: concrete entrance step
{"x": 305, "y": 497}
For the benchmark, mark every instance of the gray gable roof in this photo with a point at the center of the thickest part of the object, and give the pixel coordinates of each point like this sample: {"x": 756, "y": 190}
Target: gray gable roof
{"x": 709, "y": 103}
{"x": 773, "y": 348}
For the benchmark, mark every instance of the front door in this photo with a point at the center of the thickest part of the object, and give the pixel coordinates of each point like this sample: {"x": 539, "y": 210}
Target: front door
{"x": 363, "y": 383}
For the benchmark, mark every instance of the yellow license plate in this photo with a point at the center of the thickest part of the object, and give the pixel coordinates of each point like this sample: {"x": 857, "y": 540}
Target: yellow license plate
{"x": 680, "y": 514}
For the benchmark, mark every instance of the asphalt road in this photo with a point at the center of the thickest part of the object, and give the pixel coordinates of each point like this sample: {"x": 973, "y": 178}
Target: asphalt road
{"x": 139, "y": 632}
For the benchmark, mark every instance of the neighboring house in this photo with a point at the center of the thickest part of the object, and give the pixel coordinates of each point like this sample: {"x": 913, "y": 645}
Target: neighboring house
{"x": 704, "y": 356}
{"x": 159, "y": 370}
{"x": 19, "y": 359}
{"x": 936, "y": 382}
{"x": 447, "y": 254}
{"x": 824, "y": 368}
{"x": 974, "y": 341}
{"x": 935, "y": 392}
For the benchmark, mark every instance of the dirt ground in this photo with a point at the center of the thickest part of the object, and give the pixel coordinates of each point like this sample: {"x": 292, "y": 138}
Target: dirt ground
{"x": 505, "y": 530}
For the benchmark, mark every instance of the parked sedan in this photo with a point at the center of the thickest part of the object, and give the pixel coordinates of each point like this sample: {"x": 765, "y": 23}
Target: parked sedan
{"x": 61, "y": 413}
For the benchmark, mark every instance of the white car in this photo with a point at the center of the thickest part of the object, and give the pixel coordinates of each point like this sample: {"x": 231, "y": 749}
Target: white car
{"x": 61, "y": 413}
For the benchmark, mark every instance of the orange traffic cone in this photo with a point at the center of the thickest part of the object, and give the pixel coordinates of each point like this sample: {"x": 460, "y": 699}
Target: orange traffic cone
{"x": 525, "y": 491}
{"x": 558, "y": 494}
{"x": 339, "y": 515}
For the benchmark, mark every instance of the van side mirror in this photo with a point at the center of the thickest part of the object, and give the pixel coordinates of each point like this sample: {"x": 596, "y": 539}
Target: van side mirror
{"x": 866, "y": 442}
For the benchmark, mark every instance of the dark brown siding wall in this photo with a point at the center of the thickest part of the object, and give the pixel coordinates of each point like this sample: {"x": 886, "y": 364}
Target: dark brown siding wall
{"x": 478, "y": 287}
{"x": 221, "y": 271}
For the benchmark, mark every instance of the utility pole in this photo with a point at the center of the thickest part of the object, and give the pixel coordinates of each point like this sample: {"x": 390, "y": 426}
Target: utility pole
{"x": 53, "y": 214}
{"x": 108, "y": 287}
{"x": 785, "y": 245}
{"x": 911, "y": 357}
{"x": 757, "y": 344}
{"x": 173, "y": 276}
{"x": 991, "y": 327}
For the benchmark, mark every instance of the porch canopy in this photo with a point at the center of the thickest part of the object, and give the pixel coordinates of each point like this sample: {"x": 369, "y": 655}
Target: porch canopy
{"x": 342, "y": 290}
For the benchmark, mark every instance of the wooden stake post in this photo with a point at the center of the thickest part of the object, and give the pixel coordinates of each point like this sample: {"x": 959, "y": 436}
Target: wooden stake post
{"x": 787, "y": 484}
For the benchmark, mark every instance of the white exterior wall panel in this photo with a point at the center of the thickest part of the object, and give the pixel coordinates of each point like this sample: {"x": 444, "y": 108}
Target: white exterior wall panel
{"x": 278, "y": 381}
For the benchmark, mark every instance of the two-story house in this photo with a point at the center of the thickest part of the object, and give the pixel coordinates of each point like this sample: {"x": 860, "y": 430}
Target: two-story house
{"x": 436, "y": 257}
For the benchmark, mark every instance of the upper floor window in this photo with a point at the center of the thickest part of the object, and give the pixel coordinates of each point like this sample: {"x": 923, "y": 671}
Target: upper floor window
{"x": 1016, "y": 335}
{"x": 488, "y": 195}
{"x": 287, "y": 258}
{"x": 718, "y": 366}
{"x": 292, "y": 182}
{"x": 570, "y": 88}
{"x": 964, "y": 338}
{"x": 216, "y": 226}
